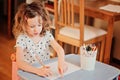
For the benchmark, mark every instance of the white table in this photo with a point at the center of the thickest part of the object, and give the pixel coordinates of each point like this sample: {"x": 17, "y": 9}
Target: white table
{"x": 102, "y": 71}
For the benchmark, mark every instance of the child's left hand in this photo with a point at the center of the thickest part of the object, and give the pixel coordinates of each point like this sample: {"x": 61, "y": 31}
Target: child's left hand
{"x": 62, "y": 68}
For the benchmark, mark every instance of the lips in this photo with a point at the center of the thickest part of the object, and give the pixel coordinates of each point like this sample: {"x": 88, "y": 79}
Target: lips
{"x": 35, "y": 33}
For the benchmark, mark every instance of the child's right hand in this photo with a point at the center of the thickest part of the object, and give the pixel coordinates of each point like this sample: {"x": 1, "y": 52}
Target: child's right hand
{"x": 44, "y": 71}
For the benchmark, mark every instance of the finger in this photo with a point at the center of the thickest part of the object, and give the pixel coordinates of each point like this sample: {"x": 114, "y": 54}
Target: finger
{"x": 61, "y": 72}
{"x": 46, "y": 66}
{"x": 44, "y": 75}
{"x": 50, "y": 73}
{"x": 66, "y": 68}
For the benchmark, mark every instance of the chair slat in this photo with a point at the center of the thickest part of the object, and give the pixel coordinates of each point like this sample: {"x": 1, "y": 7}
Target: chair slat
{"x": 68, "y": 11}
{"x": 66, "y": 21}
{"x": 65, "y": 11}
{"x": 72, "y": 12}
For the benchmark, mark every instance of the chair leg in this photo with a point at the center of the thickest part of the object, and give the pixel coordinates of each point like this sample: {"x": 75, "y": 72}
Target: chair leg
{"x": 102, "y": 51}
{"x": 72, "y": 49}
{"x": 14, "y": 71}
{"x": 78, "y": 50}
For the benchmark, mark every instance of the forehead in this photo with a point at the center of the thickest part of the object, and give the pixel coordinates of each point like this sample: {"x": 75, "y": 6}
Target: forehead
{"x": 34, "y": 21}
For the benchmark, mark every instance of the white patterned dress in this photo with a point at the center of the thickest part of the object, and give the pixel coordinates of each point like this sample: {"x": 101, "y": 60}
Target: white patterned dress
{"x": 41, "y": 48}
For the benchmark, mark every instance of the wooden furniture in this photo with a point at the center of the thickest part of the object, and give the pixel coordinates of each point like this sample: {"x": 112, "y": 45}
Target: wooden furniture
{"x": 76, "y": 33}
{"x": 101, "y": 72}
{"x": 12, "y": 8}
{"x": 14, "y": 67}
{"x": 9, "y": 19}
{"x": 92, "y": 10}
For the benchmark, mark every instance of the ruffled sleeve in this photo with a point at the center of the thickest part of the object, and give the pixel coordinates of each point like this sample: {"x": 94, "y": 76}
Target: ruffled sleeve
{"x": 49, "y": 37}
{"x": 20, "y": 42}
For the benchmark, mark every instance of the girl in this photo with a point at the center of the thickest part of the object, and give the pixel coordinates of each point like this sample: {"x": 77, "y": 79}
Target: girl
{"x": 33, "y": 38}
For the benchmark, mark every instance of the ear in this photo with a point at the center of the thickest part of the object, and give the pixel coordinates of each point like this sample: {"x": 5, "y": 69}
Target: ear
{"x": 25, "y": 18}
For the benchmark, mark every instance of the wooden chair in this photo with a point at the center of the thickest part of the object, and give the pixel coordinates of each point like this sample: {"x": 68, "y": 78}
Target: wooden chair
{"x": 76, "y": 33}
{"x": 14, "y": 67}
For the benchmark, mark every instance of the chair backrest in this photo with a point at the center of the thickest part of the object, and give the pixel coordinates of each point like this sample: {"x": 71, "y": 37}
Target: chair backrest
{"x": 65, "y": 11}
{"x": 14, "y": 67}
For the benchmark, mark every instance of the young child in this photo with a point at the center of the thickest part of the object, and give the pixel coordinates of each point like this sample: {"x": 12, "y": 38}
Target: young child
{"x": 33, "y": 38}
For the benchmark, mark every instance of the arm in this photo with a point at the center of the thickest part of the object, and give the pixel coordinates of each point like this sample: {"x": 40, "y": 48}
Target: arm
{"x": 44, "y": 71}
{"x": 22, "y": 64}
{"x": 58, "y": 49}
{"x": 62, "y": 67}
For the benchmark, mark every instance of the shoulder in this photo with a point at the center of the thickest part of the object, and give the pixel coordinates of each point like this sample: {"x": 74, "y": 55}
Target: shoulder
{"x": 22, "y": 37}
{"x": 48, "y": 37}
{"x": 48, "y": 34}
{"x": 21, "y": 41}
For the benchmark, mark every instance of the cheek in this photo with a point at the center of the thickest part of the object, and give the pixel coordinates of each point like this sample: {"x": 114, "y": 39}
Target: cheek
{"x": 40, "y": 29}
{"x": 30, "y": 30}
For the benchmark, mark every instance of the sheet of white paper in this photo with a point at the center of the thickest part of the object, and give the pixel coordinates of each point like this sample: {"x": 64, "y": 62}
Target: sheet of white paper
{"x": 111, "y": 7}
{"x": 54, "y": 65}
{"x": 116, "y": 0}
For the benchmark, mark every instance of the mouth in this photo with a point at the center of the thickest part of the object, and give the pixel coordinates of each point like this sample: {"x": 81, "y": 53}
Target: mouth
{"x": 35, "y": 33}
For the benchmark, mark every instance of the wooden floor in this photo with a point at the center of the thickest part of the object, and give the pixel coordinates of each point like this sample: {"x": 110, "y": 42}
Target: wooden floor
{"x": 6, "y": 48}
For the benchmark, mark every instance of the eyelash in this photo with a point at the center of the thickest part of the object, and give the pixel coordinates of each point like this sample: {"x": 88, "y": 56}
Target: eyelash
{"x": 32, "y": 26}
{"x": 38, "y": 25}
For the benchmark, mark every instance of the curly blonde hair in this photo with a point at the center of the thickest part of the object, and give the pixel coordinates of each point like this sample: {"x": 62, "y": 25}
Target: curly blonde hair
{"x": 30, "y": 11}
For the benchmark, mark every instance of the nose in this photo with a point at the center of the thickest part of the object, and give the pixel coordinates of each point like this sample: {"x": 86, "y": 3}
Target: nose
{"x": 35, "y": 30}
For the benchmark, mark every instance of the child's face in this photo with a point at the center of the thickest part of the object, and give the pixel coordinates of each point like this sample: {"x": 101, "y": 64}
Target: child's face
{"x": 34, "y": 26}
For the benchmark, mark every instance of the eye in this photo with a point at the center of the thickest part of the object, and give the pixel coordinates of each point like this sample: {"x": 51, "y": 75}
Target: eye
{"x": 32, "y": 26}
{"x": 40, "y": 25}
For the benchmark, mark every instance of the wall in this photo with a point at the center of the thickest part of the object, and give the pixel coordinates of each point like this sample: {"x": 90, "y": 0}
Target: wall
{"x": 115, "y": 50}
